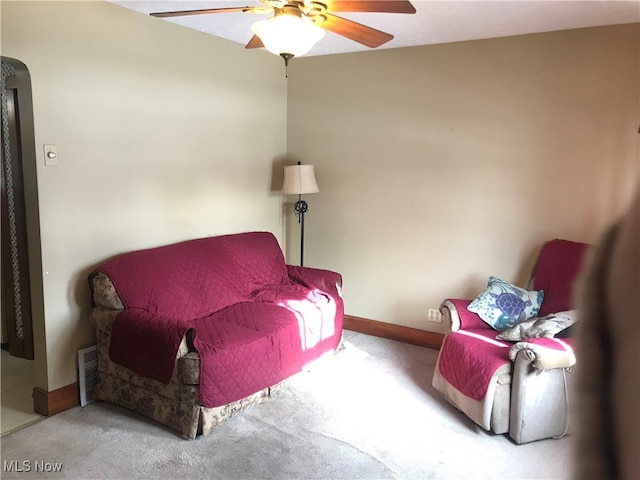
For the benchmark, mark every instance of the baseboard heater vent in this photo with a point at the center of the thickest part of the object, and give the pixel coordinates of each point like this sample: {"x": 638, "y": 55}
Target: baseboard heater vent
{"x": 88, "y": 370}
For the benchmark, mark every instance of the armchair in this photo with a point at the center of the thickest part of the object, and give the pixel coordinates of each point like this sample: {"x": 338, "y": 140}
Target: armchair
{"x": 522, "y": 387}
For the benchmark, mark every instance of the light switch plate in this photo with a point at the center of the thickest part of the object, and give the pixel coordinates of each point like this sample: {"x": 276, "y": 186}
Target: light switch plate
{"x": 50, "y": 155}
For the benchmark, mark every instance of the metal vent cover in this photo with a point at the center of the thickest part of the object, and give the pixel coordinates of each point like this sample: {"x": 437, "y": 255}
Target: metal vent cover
{"x": 88, "y": 370}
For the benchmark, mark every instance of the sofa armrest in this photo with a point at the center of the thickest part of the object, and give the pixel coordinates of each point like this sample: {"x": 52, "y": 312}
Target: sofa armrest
{"x": 544, "y": 353}
{"x": 455, "y": 316}
{"x": 103, "y": 292}
{"x": 325, "y": 280}
{"x": 147, "y": 343}
{"x": 540, "y": 401}
{"x": 102, "y": 319}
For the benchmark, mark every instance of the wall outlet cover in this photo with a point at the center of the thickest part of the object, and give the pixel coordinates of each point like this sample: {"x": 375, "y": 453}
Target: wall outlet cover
{"x": 434, "y": 315}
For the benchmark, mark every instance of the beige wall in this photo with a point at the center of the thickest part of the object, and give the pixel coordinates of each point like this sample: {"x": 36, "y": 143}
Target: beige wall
{"x": 439, "y": 166}
{"x": 163, "y": 134}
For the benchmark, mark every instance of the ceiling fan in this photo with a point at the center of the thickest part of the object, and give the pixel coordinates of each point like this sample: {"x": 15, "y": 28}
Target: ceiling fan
{"x": 296, "y": 25}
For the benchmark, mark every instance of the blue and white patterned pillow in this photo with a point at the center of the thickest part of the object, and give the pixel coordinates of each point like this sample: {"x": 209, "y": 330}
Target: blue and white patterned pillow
{"x": 503, "y": 305}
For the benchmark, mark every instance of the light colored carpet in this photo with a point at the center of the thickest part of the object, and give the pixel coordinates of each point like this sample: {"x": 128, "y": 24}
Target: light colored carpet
{"x": 367, "y": 412}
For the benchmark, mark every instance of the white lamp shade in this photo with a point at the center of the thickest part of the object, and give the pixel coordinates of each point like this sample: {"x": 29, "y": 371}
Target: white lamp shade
{"x": 299, "y": 179}
{"x": 288, "y": 34}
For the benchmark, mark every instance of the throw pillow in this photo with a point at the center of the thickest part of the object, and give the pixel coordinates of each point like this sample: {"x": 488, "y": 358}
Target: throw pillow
{"x": 502, "y": 305}
{"x": 540, "y": 327}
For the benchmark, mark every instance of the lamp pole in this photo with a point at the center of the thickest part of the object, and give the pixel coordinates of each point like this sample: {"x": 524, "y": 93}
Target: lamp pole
{"x": 301, "y": 208}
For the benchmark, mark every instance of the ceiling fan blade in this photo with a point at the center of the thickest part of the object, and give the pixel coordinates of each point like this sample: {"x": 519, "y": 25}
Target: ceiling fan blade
{"x": 355, "y": 31}
{"x": 206, "y": 11}
{"x": 387, "y": 6}
{"x": 255, "y": 42}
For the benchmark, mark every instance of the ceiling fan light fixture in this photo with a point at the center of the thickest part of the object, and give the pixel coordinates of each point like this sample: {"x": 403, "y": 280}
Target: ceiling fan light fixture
{"x": 287, "y": 33}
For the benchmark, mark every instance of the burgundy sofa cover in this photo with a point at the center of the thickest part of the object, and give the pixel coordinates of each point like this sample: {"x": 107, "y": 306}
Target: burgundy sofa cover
{"x": 253, "y": 319}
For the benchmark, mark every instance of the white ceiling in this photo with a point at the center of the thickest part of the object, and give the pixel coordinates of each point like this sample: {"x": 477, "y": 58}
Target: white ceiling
{"x": 434, "y": 22}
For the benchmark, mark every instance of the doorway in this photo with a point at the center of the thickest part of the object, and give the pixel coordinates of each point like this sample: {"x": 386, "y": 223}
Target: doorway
{"x": 17, "y": 324}
{"x": 21, "y": 304}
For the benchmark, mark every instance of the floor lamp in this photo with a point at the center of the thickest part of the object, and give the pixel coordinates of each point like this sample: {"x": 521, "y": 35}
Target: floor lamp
{"x": 299, "y": 180}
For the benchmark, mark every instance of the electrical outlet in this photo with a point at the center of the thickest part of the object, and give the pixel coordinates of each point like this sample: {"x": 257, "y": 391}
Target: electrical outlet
{"x": 434, "y": 315}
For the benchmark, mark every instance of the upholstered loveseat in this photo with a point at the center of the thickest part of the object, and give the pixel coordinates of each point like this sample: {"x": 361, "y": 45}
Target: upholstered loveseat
{"x": 191, "y": 333}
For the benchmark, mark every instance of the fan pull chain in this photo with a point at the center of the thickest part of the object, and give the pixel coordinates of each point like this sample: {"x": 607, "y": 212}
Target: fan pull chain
{"x": 286, "y": 57}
